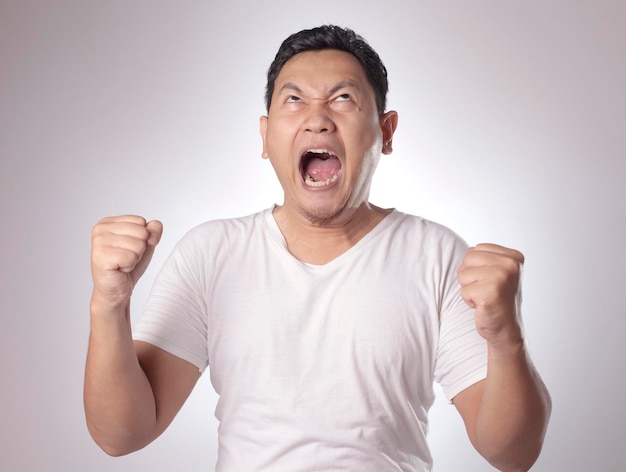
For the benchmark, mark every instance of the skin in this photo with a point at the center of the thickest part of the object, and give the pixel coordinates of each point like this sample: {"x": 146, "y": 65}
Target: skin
{"x": 322, "y": 100}
{"x": 506, "y": 415}
{"x": 132, "y": 390}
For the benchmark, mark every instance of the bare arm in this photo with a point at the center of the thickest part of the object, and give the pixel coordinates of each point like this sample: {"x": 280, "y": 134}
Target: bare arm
{"x": 132, "y": 390}
{"x": 506, "y": 415}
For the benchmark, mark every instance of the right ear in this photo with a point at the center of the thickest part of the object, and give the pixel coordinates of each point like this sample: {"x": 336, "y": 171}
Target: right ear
{"x": 263, "y": 131}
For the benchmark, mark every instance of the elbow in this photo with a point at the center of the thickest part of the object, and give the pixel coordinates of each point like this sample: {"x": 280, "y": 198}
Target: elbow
{"x": 520, "y": 451}
{"x": 113, "y": 451}
{"x": 521, "y": 462}
{"x": 116, "y": 449}
{"x": 116, "y": 445}
{"x": 518, "y": 455}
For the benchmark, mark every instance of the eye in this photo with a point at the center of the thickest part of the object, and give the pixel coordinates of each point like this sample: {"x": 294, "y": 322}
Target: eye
{"x": 292, "y": 99}
{"x": 343, "y": 103}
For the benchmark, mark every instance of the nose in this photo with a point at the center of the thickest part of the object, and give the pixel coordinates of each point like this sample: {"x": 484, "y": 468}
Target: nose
{"x": 318, "y": 119}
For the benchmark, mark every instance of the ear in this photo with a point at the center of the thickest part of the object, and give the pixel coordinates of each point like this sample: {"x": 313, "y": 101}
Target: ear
{"x": 263, "y": 131}
{"x": 388, "y": 125}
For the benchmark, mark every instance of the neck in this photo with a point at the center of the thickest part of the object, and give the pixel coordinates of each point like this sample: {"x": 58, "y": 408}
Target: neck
{"x": 319, "y": 243}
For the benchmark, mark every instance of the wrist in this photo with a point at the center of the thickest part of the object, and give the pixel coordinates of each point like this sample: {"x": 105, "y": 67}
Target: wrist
{"x": 509, "y": 343}
{"x": 509, "y": 353}
{"x": 102, "y": 307}
{"x": 110, "y": 300}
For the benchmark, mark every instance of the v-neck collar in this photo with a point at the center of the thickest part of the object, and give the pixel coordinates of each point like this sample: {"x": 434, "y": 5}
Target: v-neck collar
{"x": 278, "y": 238}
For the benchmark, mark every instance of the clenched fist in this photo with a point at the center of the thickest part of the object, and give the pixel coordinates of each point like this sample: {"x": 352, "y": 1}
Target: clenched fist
{"x": 490, "y": 283}
{"x": 122, "y": 247}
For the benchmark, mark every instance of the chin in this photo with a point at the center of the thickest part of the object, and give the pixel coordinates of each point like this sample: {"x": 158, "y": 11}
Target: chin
{"x": 322, "y": 216}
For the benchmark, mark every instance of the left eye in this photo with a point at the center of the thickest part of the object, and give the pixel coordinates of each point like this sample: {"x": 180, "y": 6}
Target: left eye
{"x": 343, "y": 97}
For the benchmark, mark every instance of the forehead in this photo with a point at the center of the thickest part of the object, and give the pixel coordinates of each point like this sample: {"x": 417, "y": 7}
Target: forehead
{"x": 322, "y": 70}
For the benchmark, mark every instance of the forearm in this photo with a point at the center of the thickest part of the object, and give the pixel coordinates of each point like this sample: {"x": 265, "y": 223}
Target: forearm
{"x": 514, "y": 410}
{"x": 119, "y": 403}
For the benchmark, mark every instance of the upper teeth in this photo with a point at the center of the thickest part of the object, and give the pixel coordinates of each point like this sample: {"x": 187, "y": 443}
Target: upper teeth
{"x": 320, "y": 151}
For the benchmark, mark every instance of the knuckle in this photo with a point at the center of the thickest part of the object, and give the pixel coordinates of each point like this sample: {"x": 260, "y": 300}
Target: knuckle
{"x": 122, "y": 259}
{"x": 139, "y": 220}
{"x": 513, "y": 267}
{"x": 97, "y": 229}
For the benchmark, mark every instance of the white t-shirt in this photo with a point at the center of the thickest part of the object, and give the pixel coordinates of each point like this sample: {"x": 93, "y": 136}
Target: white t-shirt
{"x": 319, "y": 367}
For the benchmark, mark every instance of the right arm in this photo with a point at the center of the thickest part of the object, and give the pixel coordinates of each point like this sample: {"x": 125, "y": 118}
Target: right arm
{"x": 132, "y": 390}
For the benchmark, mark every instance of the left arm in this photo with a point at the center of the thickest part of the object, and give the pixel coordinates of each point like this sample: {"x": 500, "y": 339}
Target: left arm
{"x": 506, "y": 415}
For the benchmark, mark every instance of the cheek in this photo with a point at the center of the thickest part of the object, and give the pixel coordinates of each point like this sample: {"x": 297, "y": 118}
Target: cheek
{"x": 281, "y": 171}
{"x": 282, "y": 127}
{"x": 367, "y": 139}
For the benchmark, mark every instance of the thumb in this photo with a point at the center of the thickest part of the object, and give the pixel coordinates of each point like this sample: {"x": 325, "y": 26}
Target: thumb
{"x": 155, "y": 230}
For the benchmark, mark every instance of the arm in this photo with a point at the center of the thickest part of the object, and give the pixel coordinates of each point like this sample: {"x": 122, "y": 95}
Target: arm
{"x": 132, "y": 390}
{"x": 506, "y": 415}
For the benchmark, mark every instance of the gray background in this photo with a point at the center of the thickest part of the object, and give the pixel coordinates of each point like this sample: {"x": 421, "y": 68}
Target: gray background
{"x": 512, "y": 130}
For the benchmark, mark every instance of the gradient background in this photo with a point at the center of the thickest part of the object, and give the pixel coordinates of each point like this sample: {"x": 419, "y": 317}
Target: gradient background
{"x": 512, "y": 130}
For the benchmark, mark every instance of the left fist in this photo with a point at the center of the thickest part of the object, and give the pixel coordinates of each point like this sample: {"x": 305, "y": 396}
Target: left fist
{"x": 490, "y": 283}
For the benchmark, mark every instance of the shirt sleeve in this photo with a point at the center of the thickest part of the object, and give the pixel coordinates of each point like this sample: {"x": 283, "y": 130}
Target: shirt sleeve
{"x": 174, "y": 318}
{"x": 461, "y": 358}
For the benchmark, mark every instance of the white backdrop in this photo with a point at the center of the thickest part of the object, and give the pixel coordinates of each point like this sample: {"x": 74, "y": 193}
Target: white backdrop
{"x": 512, "y": 130}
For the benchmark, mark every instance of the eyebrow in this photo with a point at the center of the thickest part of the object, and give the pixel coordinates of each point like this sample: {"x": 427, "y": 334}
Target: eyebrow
{"x": 291, "y": 86}
{"x": 334, "y": 89}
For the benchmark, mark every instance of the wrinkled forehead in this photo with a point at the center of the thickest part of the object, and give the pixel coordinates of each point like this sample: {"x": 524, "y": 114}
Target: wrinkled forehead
{"x": 322, "y": 70}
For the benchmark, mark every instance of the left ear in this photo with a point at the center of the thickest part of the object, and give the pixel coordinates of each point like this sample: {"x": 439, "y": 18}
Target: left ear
{"x": 263, "y": 131}
{"x": 388, "y": 125}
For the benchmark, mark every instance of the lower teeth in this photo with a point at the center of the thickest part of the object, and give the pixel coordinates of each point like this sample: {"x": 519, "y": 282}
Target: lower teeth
{"x": 312, "y": 183}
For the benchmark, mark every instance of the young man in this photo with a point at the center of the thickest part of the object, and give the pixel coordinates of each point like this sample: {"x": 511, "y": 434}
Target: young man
{"x": 325, "y": 320}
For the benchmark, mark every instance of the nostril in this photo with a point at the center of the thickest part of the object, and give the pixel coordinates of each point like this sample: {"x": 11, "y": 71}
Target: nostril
{"x": 317, "y": 130}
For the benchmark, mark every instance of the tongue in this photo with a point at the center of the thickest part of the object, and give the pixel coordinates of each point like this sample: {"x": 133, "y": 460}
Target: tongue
{"x": 322, "y": 169}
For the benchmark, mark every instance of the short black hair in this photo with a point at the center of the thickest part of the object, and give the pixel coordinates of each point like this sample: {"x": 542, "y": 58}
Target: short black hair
{"x": 332, "y": 37}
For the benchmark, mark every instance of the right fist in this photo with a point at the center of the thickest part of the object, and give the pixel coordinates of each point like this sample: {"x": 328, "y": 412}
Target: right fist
{"x": 122, "y": 247}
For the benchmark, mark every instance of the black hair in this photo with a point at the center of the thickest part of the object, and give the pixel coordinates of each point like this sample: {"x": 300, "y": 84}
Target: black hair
{"x": 332, "y": 37}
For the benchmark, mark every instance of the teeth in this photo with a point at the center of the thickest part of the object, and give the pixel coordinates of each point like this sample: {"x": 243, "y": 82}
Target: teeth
{"x": 312, "y": 183}
{"x": 308, "y": 180}
{"x": 320, "y": 151}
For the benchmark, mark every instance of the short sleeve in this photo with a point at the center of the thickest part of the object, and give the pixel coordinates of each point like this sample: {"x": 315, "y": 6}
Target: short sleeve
{"x": 174, "y": 318}
{"x": 461, "y": 358}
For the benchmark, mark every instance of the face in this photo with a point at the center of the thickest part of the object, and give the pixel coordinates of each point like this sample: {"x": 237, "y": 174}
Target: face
{"x": 324, "y": 136}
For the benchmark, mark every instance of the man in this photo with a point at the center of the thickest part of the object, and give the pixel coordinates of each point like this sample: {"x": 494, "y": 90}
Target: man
{"x": 324, "y": 320}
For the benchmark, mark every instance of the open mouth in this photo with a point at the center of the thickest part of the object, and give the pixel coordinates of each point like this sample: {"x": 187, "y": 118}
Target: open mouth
{"x": 319, "y": 167}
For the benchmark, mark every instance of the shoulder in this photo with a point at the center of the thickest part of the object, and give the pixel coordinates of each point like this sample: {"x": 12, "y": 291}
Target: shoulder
{"x": 241, "y": 223}
{"x": 219, "y": 236}
{"x": 418, "y": 228}
{"x": 226, "y": 228}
